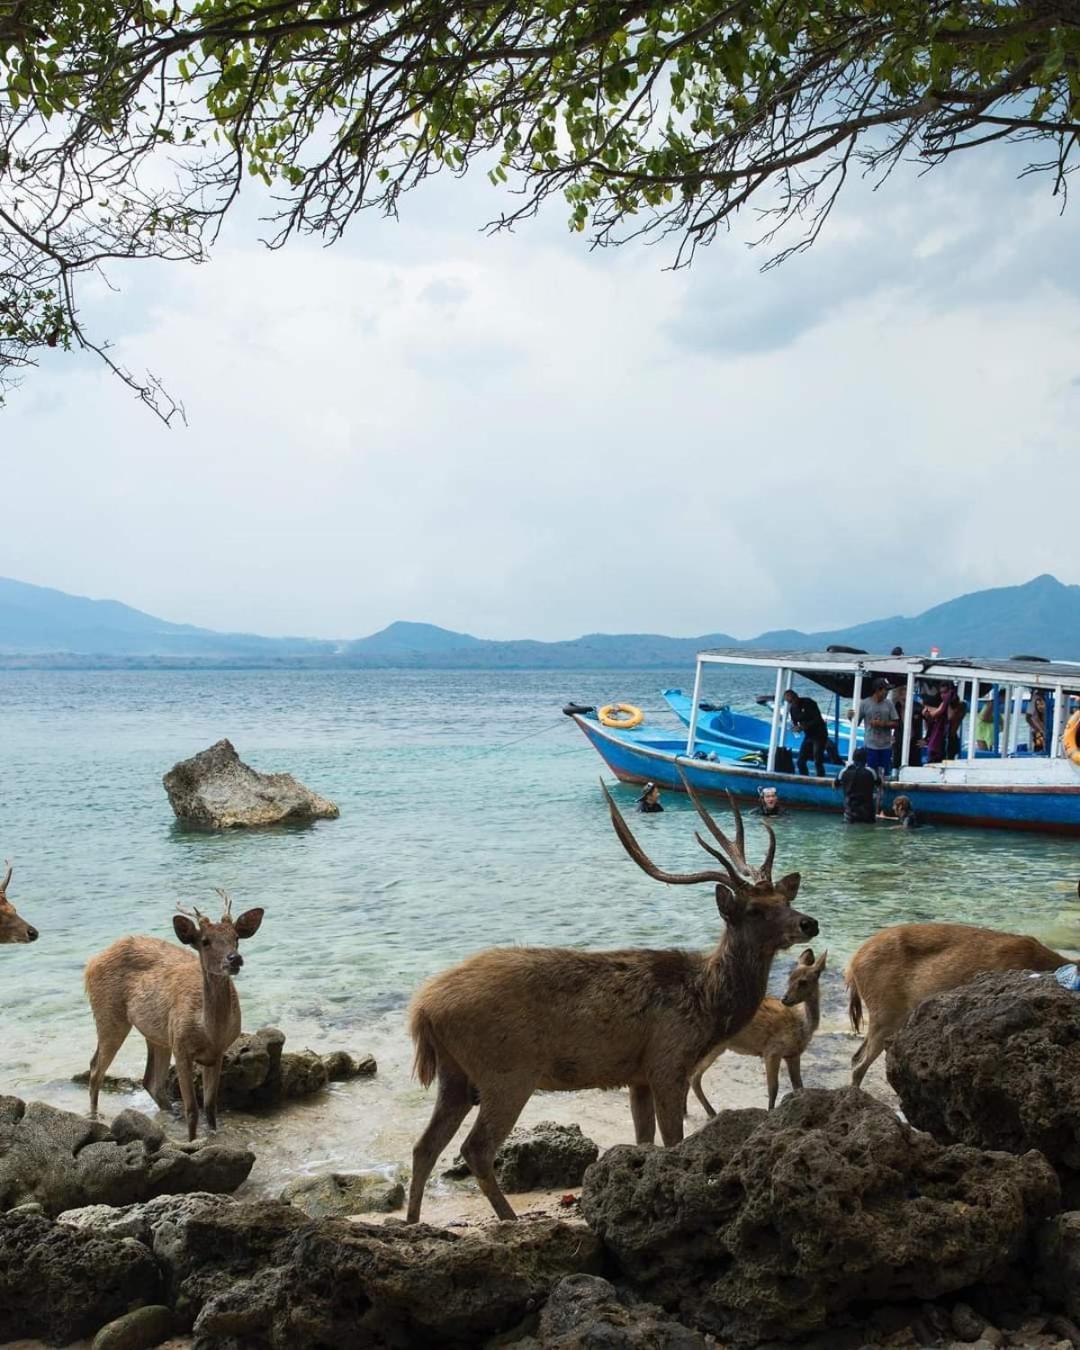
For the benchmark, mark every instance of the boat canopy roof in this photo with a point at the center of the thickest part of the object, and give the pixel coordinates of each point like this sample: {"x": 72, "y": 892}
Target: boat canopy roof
{"x": 829, "y": 669}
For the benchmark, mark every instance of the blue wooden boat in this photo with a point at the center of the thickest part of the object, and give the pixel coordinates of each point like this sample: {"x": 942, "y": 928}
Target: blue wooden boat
{"x": 724, "y": 725}
{"x": 1007, "y": 788}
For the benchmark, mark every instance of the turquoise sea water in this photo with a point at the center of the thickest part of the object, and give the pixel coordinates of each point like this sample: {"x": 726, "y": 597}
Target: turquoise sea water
{"x": 452, "y": 837}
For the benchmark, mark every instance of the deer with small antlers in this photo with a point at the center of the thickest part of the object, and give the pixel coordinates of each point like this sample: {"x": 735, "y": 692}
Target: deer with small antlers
{"x": 13, "y": 927}
{"x": 509, "y": 1021}
{"x": 781, "y": 1029}
{"x": 183, "y": 1002}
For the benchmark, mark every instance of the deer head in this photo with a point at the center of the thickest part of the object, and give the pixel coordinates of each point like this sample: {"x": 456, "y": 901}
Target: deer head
{"x": 746, "y": 896}
{"x": 804, "y": 977}
{"x": 13, "y": 928}
{"x": 216, "y": 943}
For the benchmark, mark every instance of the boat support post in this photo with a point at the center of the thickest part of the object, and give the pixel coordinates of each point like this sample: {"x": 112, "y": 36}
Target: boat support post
{"x": 909, "y": 721}
{"x": 972, "y": 720}
{"x": 778, "y": 708}
{"x": 692, "y": 734}
{"x": 1059, "y": 708}
{"x": 857, "y": 700}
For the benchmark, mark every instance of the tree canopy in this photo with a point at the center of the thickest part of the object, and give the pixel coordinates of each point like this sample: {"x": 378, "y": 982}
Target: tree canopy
{"x": 128, "y": 127}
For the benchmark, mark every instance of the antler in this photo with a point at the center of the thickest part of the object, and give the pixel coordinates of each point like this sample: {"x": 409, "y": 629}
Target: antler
{"x": 4, "y": 883}
{"x": 626, "y": 838}
{"x": 736, "y": 851}
{"x": 191, "y": 913}
{"x": 226, "y": 900}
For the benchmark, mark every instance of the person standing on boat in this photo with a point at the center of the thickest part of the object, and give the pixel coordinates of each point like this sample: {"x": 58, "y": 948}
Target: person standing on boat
{"x": 914, "y": 754}
{"x": 649, "y": 801}
{"x": 880, "y": 718}
{"x": 936, "y": 717}
{"x": 806, "y": 717}
{"x": 859, "y": 786}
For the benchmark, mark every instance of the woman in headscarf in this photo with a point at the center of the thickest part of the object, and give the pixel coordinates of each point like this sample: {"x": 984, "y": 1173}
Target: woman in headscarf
{"x": 937, "y": 724}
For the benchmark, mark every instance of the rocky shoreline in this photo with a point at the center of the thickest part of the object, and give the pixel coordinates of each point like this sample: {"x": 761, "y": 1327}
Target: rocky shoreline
{"x": 831, "y": 1222}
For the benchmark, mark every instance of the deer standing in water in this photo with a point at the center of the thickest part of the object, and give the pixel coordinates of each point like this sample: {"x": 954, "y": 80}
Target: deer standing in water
{"x": 781, "y": 1029}
{"x": 184, "y": 1004}
{"x": 900, "y": 966}
{"x": 511, "y": 1020}
{"x": 13, "y": 928}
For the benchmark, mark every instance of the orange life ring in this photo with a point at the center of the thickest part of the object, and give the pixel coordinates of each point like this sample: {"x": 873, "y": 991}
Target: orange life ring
{"x": 1070, "y": 740}
{"x": 624, "y": 716}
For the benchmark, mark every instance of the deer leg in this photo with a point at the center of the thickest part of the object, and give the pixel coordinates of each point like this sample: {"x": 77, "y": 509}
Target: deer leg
{"x": 157, "y": 1073}
{"x": 452, "y": 1105}
{"x": 643, "y": 1113}
{"x": 211, "y": 1080}
{"x": 185, "y": 1073}
{"x": 110, "y": 1039}
{"x": 794, "y": 1071}
{"x": 669, "y": 1098}
{"x": 772, "y": 1077}
{"x": 876, "y": 1040}
{"x": 500, "y": 1107}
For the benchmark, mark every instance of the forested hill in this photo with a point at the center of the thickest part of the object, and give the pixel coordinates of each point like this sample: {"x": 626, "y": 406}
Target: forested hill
{"x": 43, "y": 627}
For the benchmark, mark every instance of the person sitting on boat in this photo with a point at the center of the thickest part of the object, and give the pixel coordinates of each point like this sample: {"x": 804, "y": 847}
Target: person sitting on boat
{"x": 986, "y": 724}
{"x": 859, "y": 786}
{"x": 902, "y": 815}
{"x": 769, "y": 802}
{"x": 649, "y": 801}
{"x": 806, "y": 717}
{"x": 1036, "y": 720}
{"x": 880, "y": 719}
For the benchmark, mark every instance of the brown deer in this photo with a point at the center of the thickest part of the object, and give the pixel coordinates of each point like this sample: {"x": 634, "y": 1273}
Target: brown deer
{"x": 781, "y": 1029}
{"x": 511, "y": 1020}
{"x": 900, "y": 966}
{"x": 184, "y": 1004}
{"x": 13, "y": 928}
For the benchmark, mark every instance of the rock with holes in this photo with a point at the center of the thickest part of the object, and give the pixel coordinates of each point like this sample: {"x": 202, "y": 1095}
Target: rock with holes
{"x": 545, "y": 1157}
{"x": 769, "y": 1224}
{"x": 996, "y": 1063}
{"x": 58, "y": 1284}
{"x": 333, "y": 1193}
{"x": 264, "y": 1274}
{"x": 63, "y": 1161}
{"x": 585, "y": 1312}
{"x": 216, "y": 790}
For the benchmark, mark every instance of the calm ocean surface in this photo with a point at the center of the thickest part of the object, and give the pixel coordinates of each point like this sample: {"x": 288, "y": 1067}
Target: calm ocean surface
{"x": 451, "y": 838}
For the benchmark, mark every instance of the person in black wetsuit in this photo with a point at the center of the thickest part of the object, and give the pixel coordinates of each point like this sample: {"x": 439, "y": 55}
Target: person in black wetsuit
{"x": 806, "y": 717}
{"x": 649, "y": 801}
{"x": 859, "y": 786}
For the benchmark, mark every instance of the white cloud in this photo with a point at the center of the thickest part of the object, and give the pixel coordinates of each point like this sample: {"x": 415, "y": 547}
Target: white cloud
{"x": 516, "y": 437}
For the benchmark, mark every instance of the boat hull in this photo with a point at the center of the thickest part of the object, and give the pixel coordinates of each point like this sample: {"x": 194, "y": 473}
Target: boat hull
{"x": 1048, "y": 809}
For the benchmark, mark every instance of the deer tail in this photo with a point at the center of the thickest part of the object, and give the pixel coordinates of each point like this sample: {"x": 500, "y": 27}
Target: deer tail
{"x": 855, "y": 1007}
{"x": 426, "y": 1057}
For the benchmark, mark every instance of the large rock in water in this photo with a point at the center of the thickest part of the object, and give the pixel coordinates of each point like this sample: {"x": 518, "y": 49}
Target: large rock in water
{"x": 216, "y": 790}
{"x": 263, "y": 1274}
{"x": 63, "y": 1161}
{"x": 996, "y": 1063}
{"x": 767, "y": 1224}
{"x": 58, "y": 1284}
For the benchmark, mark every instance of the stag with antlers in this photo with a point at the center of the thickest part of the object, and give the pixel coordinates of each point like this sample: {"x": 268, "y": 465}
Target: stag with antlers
{"x": 184, "y": 1004}
{"x": 13, "y": 927}
{"x": 511, "y": 1020}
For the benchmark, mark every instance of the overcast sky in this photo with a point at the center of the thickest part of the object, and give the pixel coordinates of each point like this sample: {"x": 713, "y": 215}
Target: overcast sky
{"x": 515, "y": 436}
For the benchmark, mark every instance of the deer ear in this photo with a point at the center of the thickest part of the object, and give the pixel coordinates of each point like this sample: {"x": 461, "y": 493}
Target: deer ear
{"x": 730, "y": 905}
{"x": 807, "y": 958}
{"x": 788, "y": 886}
{"x": 185, "y": 930}
{"x": 247, "y": 925}
{"x": 819, "y": 964}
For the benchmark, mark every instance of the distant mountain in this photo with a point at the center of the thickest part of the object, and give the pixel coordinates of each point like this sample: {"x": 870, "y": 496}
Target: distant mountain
{"x": 42, "y": 627}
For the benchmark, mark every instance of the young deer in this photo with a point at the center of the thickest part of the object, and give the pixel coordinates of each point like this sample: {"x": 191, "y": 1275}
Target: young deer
{"x": 185, "y": 1005}
{"x": 781, "y": 1029}
{"x": 509, "y": 1021}
{"x": 13, "y": 928}
{"x": 900, "y": 966}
